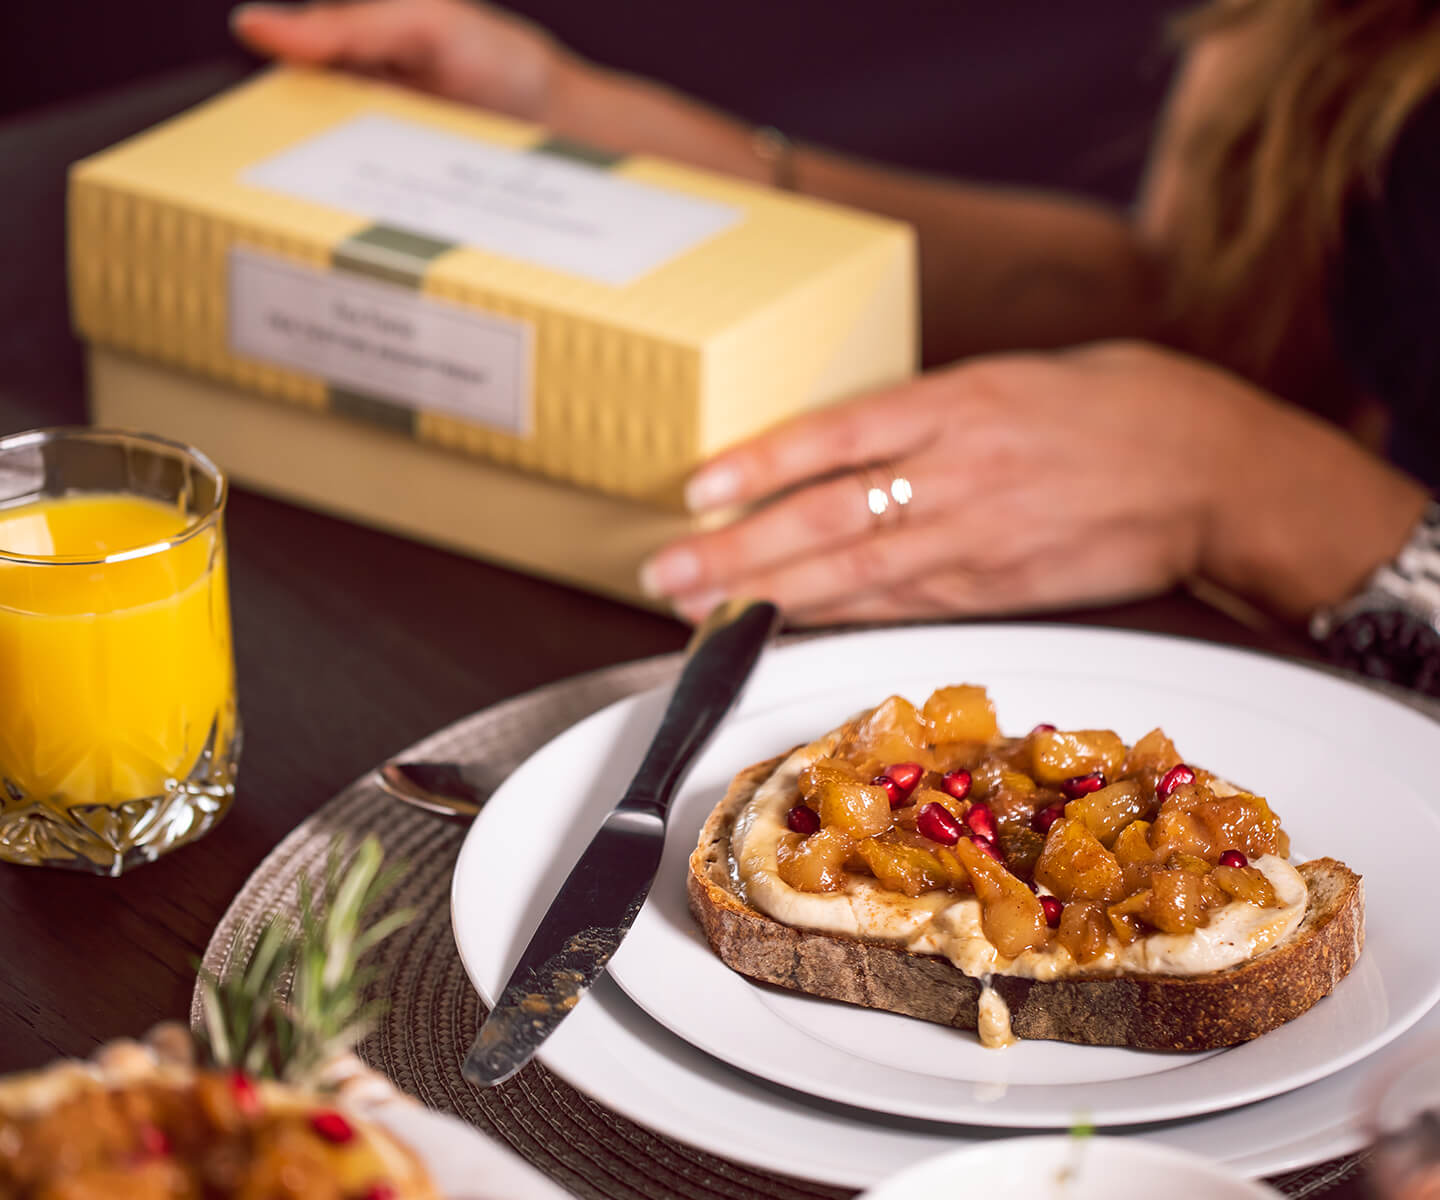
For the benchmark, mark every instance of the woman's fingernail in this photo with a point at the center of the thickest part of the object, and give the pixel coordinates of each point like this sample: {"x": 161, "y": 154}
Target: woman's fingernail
{"x": 669, "y": 572}
{"x": 713, "y": 487}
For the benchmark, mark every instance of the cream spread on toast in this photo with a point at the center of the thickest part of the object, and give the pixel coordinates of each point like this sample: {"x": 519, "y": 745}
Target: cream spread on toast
{"x": 941, "y": 923}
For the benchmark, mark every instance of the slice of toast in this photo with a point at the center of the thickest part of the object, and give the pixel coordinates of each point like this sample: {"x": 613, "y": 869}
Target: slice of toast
{"x": 1150, "y": 1012}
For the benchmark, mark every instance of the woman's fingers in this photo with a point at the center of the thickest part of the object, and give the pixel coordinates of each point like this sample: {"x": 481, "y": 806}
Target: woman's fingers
{"x": 463, "y": 51}
{"x": 828, "y": 514}
{"x": 860, "y": 566}
{"x": 998, "y": 556}
{"x": 379, "y": 32}
{"x": 883, "y": 425}
{"x": 822, "y": 543}
{"x": 812, "y": 519}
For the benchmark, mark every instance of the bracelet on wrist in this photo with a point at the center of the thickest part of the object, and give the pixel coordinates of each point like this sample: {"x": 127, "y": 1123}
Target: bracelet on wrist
{"x": 1390, "y": 629}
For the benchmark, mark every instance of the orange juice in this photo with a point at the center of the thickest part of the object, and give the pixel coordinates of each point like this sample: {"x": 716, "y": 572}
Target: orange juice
{"x": 115, "y": 660}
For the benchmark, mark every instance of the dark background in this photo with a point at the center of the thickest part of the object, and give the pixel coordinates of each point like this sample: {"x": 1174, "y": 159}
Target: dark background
{"x": 1050, "y": 93}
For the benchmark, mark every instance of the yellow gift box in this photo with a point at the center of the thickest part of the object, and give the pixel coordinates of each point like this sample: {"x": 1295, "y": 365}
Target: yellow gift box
{"x": 472, "y": 284}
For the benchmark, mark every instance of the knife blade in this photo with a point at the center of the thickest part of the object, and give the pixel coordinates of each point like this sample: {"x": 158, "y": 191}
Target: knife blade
{"x": 599, "y": 899}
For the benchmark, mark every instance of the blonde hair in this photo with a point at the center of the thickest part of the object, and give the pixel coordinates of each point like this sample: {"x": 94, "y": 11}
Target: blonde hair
{"x": 1274, "y": 166}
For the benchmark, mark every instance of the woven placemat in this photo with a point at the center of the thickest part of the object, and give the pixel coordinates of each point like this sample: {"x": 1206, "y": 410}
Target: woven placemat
{"x": 420, "y": 1043}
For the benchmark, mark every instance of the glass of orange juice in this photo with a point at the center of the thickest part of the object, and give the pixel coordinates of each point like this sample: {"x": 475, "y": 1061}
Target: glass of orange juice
{"x": 118, "y": 728}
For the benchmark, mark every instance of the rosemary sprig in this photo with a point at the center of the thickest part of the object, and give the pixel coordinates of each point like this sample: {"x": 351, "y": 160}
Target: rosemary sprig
{"x": 249, "y": 1023}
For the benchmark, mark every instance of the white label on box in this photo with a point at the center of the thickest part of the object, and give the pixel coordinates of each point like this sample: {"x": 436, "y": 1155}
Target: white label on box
{"x": 381, "y": 340}
{"x": 568, "y": 216}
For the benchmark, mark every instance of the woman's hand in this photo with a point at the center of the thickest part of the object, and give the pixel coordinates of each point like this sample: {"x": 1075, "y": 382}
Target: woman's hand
{"x": 451, "y": 48}
{"x": 484, "y": 56}
{"x": 1038, "y": 482}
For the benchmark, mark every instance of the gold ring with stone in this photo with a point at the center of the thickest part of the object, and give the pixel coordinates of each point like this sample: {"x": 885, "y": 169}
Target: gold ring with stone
{"x": 887, "y": 493}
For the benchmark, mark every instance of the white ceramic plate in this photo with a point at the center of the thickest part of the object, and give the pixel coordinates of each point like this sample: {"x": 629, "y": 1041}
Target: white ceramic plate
{"x": 463, "y": 1163}
{"x": 1223, "y": 707}
{"x": 1276, "y": 739}
{"x": 1063, "y": 1168}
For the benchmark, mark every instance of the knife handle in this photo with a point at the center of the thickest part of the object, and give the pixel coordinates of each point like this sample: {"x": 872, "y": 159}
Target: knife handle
{"x": 720, "y": 657}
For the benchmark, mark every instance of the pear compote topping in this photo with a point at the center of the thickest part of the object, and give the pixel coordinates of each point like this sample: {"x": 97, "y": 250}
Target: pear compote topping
{"x": 1128, "y": 840}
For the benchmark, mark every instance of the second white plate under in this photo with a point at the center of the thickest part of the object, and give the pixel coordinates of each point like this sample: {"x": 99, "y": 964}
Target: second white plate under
{"x": 1341, "y": 765}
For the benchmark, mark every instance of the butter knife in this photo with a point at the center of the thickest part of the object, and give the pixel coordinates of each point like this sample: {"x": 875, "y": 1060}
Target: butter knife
{"x": 599, "y": 899}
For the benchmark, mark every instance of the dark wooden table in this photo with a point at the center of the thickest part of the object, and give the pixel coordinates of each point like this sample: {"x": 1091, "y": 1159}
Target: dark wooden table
{"x": 350, "y": 646}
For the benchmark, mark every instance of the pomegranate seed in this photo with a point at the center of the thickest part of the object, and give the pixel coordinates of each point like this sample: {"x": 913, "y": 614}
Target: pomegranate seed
{"x": 988, "y": 845}
{"x": 153, "y": 1142}
{"x": 1233, "y": 858}
{"x": 892, "y": 790}
{"x": 1031, "y": 884}
{"x": 331, "y": 1126}
{"x": 1173, "y": 778}
{"x": 981, "y": 820}
{"x": 906, "y": 775}
{"x": 247, "y": 1098}
{"x": 1053, "y": 908}
{"x": 936, "y": 822}
{"x": 802, "y": 820}
{"x": 1082, "y": 785}
{"x": 1046, "y": 728}
{"x": 957, "y": 783}
{"x": 1046, "y": 817}
{"x": 379, "y": 1191}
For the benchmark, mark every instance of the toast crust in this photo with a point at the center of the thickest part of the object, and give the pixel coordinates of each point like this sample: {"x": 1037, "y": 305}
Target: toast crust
{"x": 1148, "y": 1012}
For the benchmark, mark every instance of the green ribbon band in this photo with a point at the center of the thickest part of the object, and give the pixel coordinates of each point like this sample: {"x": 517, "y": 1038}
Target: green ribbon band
{"x": 395, "y": 256}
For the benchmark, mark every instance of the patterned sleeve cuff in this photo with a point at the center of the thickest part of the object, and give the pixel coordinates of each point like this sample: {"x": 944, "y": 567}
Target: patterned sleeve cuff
{"x": 1391, "y": 628}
